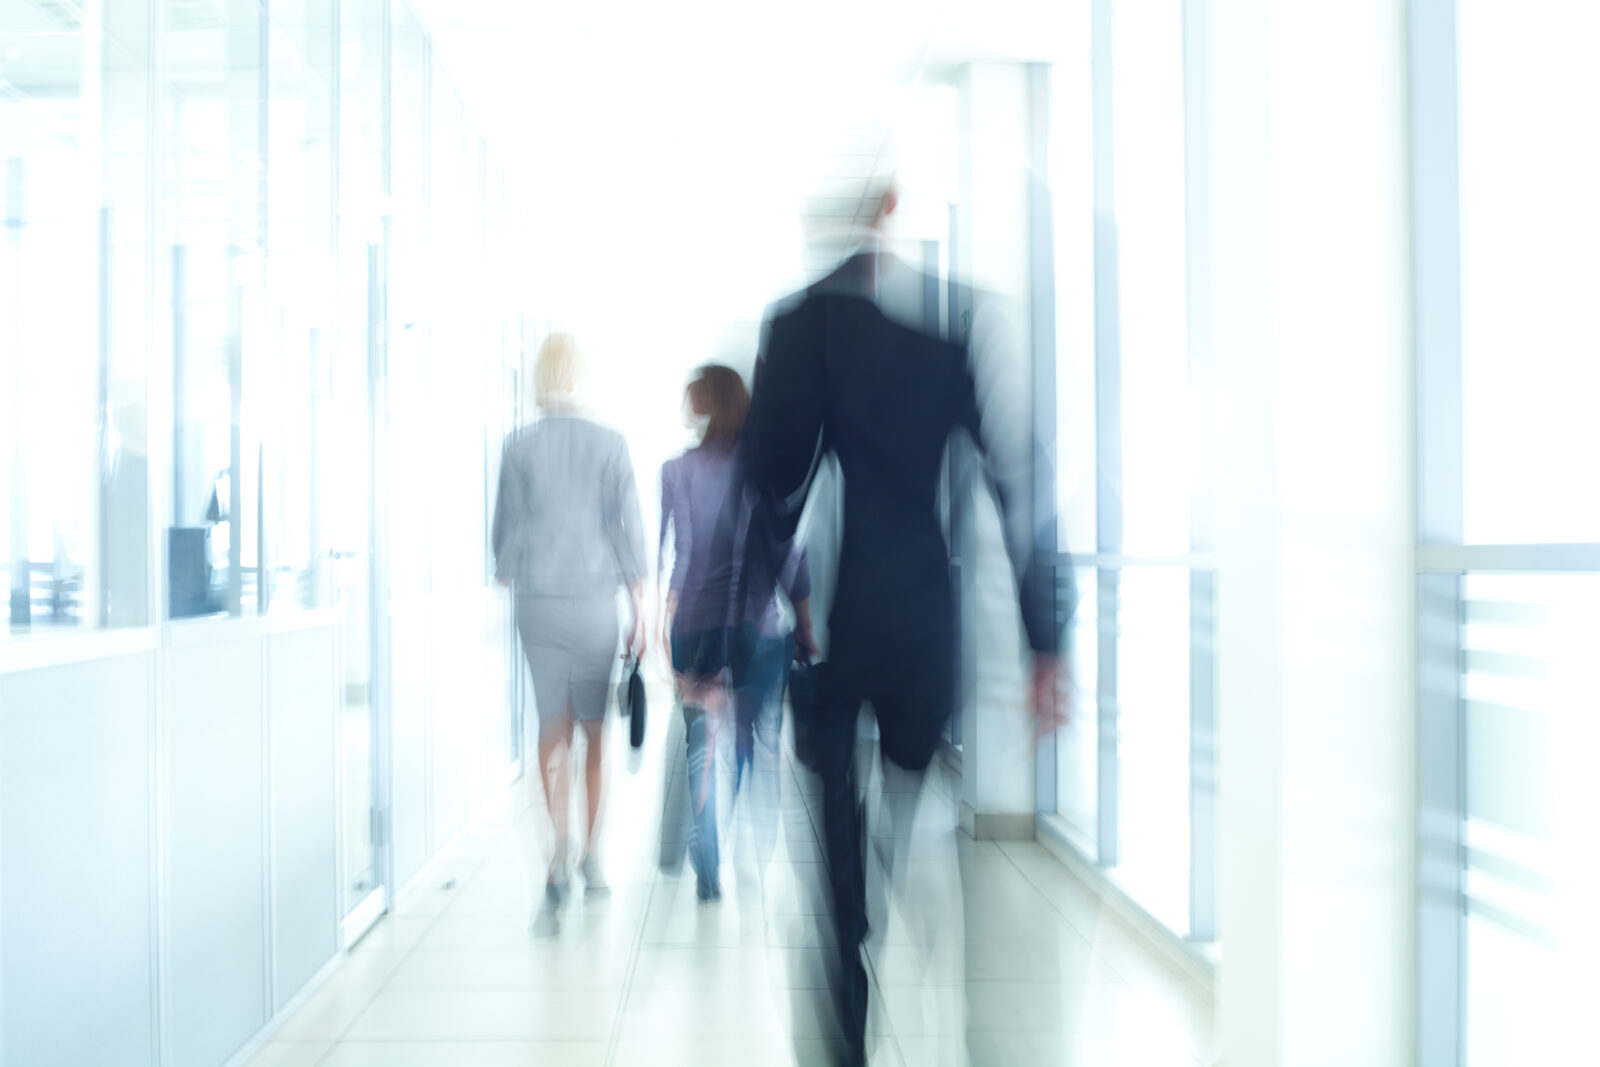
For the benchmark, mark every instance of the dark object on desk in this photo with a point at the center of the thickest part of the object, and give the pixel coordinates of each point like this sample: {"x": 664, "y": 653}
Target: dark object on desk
{"x": 189, "y": 571}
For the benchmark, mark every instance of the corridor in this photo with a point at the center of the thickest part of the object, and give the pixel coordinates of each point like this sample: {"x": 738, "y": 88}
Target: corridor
{"x": 652, "y": 977}
{"x": 1183, "y": 410}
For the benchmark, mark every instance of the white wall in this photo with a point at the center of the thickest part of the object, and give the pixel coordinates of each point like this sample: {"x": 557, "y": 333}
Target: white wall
{"x": 302, "y": 687}
{"x": 168, "y": 839}
{"x": 215, "y": 891}
{"x": 411, "y": 833}
{"x": 77, "y": 864}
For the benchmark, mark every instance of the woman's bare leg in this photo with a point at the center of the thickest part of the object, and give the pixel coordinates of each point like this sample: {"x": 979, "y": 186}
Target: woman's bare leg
{"x": 592, "y": 764}
{"x": 555, "y": 743}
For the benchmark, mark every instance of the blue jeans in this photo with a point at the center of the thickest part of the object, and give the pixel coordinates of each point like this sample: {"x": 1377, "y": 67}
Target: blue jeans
{"x": 761, "y": 675}
{"x": 697, "y": 656}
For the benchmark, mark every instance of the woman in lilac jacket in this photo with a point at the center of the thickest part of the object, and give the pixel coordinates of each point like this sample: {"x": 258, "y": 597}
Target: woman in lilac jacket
{"x": 707, "y": 629}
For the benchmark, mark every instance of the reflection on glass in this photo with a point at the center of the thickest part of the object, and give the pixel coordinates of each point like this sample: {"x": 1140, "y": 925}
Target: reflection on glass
{"x": 1530, "y": 882}
{"x": 73, "y": 317}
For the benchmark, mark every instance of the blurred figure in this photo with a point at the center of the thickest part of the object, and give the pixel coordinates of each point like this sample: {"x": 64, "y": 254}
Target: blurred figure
{"x": 765, "y": 647}
{"x": 716, "y": 642}
{"x": 849, "y": 368}
{"x": 568, "y": 533}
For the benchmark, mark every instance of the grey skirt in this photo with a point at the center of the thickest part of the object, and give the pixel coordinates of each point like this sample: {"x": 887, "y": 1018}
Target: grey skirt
{"x": 572, "y": 647}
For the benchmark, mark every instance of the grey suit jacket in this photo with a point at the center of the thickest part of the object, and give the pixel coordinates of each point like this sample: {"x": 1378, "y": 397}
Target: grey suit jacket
{"x": 566, "y": 520}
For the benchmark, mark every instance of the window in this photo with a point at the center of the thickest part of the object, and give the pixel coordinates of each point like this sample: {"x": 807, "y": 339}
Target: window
{"x": 1506, "y": 160}
{"x": 293, "y": 381}
{"x": 73, "y": 319}
{"x": 1134, "y": 771}
{"x": 1530, "y": 337}
{"x": 215, "y": 259}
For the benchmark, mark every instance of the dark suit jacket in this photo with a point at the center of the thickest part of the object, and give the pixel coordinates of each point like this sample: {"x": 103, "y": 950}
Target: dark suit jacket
{"x": 844, "y": 370}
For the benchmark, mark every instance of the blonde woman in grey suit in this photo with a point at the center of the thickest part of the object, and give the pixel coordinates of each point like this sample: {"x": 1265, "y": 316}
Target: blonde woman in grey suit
{"x": 567, "y": 535}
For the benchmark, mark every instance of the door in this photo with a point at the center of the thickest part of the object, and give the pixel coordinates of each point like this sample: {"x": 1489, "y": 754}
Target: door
{"x": 351, "y": 507}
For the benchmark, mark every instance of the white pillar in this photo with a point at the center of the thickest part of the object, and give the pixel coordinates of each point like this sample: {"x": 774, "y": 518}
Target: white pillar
{"x": 1316, "y": 584}
{"x": 1248, "y": 537}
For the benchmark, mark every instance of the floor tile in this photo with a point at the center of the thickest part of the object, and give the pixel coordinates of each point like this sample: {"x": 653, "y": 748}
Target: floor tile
{"x": 396, "y": 933}
{"x": 741, "y": 1051}
{"x": 686, "y": 1011}
{"x": 488, "y": 1015}
{"x": 291, "y": 1054}
{"x": 1095, "y": 1007}
{"x": 682, "y": 920}
{"x": 442, "y": 888}
{"x": 1076, "y": 901}
{"x": 980, "y": 952}
{"x": 730, "y": 967}
{"x": 469, "y": 1054}
{"x": 579, "y": 924}
{"x": 535, "y": 965}
{"x": 331, "y": 1010}
{"x": 367, "y": 964}
{"x": 1028, "y": 960}
{"x": 1036, "y": 1049}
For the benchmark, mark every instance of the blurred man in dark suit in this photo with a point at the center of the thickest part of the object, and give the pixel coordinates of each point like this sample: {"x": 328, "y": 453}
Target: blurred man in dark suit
{"x": 850, "y": 371}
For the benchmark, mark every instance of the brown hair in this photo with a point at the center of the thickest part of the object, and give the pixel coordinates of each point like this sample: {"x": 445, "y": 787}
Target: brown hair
{"x": 719, "y": 393}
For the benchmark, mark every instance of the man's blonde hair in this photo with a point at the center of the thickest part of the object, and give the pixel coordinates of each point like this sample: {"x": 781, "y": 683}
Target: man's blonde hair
{"x": 557, "y": 370}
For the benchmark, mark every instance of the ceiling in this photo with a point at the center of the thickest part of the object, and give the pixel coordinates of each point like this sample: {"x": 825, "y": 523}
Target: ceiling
{"x": 715, "y": 97}
{"x": 681, "y": 165}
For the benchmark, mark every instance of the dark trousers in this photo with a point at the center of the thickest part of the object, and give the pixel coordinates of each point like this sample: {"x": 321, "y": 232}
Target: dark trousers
{"x": 907, "y": 671}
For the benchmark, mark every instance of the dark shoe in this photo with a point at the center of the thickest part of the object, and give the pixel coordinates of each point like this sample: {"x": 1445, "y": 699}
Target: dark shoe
{"x": 707, "y": 891}
{"x": 546, "y": 923}
{"x": 547, "y": 920}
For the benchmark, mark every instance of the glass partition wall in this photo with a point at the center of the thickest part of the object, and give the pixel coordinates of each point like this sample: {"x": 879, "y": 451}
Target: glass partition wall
{"x": 275, "y": 220}
{"x": 213, "y": 111}
{"x": 75, "y": 283}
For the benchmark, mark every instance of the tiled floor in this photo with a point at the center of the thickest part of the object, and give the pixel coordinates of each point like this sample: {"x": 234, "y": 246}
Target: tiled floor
{"x": 982, "y": 952}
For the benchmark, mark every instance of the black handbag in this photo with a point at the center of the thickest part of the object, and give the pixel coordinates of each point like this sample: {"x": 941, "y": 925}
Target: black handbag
{"x": 631, "y": 702}
{"x": 803, "y": 696}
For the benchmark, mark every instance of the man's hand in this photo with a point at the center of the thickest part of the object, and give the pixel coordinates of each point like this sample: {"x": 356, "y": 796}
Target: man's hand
{"x": 1050, "y": 700}
{"x": 804, "y": 640}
